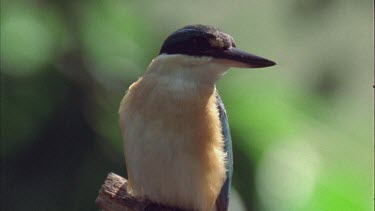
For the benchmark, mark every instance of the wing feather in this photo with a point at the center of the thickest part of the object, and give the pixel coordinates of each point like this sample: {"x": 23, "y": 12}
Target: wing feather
{"x": 222, "y": 201}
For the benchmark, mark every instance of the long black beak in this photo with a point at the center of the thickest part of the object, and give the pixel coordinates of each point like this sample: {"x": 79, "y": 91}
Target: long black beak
{"x": 235, "y": 57}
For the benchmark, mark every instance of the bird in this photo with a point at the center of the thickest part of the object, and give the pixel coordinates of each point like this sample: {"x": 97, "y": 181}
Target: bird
{"x": 175, "y": 130}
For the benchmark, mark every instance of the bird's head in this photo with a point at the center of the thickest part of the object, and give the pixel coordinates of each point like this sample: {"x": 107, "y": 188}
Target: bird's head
{"x": 201, "y": 52}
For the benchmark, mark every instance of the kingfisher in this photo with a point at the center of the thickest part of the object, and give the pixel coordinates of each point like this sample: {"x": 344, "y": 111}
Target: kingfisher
{"x": 176, "y": 137}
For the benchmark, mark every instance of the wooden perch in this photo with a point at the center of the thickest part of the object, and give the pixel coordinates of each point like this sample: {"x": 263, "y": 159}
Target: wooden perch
{"x": 113, "y": 196}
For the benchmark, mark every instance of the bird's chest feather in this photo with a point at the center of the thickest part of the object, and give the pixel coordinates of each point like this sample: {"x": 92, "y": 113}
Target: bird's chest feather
{"x": 173, "y": 145}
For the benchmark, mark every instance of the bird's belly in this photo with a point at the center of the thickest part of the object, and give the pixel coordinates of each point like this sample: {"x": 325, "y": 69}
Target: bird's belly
{"x": 176, "y": 160}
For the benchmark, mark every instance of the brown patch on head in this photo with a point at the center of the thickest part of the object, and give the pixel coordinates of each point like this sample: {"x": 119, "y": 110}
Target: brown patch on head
{"x": 217, "y": 42}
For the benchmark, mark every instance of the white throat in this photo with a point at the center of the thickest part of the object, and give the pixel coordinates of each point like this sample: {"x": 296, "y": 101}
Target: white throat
{"x": 183, "y": 69}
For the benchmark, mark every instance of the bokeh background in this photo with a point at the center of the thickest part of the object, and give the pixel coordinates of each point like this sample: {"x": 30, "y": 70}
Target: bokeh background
{"x": 302, "y": 130}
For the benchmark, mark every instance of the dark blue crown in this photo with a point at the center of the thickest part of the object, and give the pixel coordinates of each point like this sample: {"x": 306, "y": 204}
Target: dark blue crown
{"x": 196, "y": 40}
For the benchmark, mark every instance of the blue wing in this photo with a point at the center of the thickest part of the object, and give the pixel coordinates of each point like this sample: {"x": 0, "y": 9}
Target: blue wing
{"x": 222, "y": 201}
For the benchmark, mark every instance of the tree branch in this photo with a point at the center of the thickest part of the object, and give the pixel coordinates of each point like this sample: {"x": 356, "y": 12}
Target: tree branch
{"x": 113, "y": 196}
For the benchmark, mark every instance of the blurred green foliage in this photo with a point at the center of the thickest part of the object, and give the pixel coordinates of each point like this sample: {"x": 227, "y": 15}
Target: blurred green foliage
{"x": 302, "y": 130}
